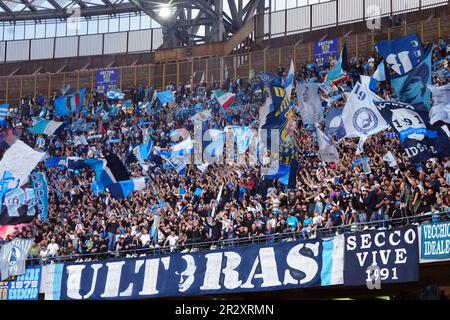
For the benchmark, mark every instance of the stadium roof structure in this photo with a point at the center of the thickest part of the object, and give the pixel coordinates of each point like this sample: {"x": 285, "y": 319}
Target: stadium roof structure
{"x": 181, "y": 20}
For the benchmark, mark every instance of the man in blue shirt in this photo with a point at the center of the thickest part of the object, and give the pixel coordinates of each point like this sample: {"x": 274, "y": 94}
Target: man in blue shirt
{"x": 336, "y": 216}
{"x": 292, "y": 222}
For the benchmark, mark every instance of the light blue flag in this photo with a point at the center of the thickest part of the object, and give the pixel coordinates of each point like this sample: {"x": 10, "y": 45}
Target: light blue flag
{"x": 165, "y": 96}
{"x": 198, "y": 192}
{"x": 243, "y": 137}
{"x": 143, "y": 151}
{"x": 123, "y": 189}
{"x": 403, "y": 54}
{"x": 280, "y": 172}
{"x": 41, "y": 192}
{"x": 103, "y": 177}
{"x": 48, "y": 127}
{"x": 61, "y": 106}
{"x": 411, "y": 88}
{"x": 378, "y": 75}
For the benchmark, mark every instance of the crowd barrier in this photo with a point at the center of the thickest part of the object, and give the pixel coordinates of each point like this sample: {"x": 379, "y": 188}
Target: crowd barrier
{"x": 198, "y": 246}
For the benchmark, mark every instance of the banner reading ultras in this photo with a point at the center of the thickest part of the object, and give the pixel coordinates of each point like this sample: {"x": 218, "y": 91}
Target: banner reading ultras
{"x": 254, "y": 268}
{"x": 435, "y": 242}
{"x": 395, "y": 253}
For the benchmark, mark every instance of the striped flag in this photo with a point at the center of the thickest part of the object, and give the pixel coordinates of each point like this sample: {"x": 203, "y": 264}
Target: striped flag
{"x": 48, "y": 127}
{"x": 123, "y": 189}
{"x": 3, "y": 111}
{"x": 224, "y": 98}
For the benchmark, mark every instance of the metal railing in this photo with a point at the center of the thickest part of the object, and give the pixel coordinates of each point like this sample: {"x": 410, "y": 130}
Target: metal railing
{"x": 196, "y": 246}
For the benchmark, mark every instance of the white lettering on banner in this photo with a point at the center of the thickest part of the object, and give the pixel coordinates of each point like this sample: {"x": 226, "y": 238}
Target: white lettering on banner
{"x": 269, "y": 272}
{"x": 212, "y": 277}
{"x": 302, "y": 263}
{"x": 409, "y": 237}
{"x": 113, "y": 279}
{"x": 433, "y": 231}
{"x": 365, "y": 241}
{"x": 400, "y": 256}
{"x": 151, "y": 275}
{"x": 74, "y": 281}
{"x": 231, "y": 280}
{"x": 189, "y": 273}
{"x": 351, "y": 243}
{"x": 391, "y": 238}
{"x": 377, "y": 242}
{"x": 440, "y": 247}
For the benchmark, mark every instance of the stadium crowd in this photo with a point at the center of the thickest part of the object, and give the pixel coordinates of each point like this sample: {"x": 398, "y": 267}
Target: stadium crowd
{"x": 328, "y": 198}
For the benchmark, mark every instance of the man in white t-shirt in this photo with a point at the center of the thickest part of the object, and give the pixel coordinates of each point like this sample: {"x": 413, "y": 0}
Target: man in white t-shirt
{"x": 145, "y": 238}
{"x": 172, "y": 240}
{"x": 52, "y": 249}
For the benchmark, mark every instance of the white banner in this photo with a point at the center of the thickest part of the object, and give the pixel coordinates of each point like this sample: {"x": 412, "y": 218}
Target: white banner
{"x": 309, "y": 104}
{"x": 20, "y": 160}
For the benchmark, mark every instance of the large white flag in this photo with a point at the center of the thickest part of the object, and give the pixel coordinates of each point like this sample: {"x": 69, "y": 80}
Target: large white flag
{"x": 360, "y": 116}
{"x": 20, "y": 160}
{"x": 309, "y": 104}
{"x": 327, "y": 150}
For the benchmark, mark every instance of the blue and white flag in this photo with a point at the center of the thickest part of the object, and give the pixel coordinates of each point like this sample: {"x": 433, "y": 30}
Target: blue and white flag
{"x": 3, "y": 111}
{"x": 280, "y": 171}
{"x": 123, "y": 189}
{"x": 243, "y": 136}
{"x": 178, "y": 163}
{"x": 411, "y": 87}
{"x": 265, "y": 78}
{"x": 213, "y": 141}
{"x": 165, "y": 96}
{"x": 108, "y": 171}
{"x": 143, "y": 151}
{"x": 115, "y": 94}
{"x": 333, "y": 121}
{"x": 47, "y": 127}
{"x": 327, "y": 149}
{"x": 204, "y": 115}
{"x": 418, "y": 138}
{"x": 403, "y": 54}
{"x": 390, "y": 159}
{"x": 360, "y": 117}
{"x": 288, "y": 83}
{"x": 378, "y": 76}
{"x": 20, "y": 160}
{"x": 40, "y": 187}
{"x": 55, "y": 162}
{"x": 75, "y": 163}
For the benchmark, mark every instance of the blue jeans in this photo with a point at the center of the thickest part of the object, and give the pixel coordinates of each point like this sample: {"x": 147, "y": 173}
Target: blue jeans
{"x": 111, "y": 241}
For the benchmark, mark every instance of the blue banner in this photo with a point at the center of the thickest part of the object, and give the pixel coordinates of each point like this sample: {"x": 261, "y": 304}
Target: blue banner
{"x": 106, "y": 80}
{"x": 286, "y": 265}
{"x": 23, "y": 287}
{"x": 403, "y": 54}
{"x": 435, "y": 242}
{"x": 381, "y": 256}
{"x": 412, "y": 87}
{"x": 41, "y": 192}
{"x": 325, "y": 50}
